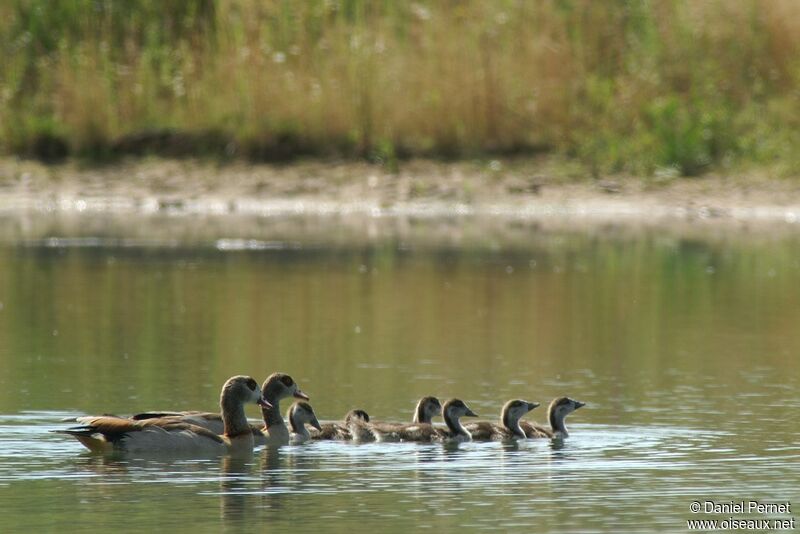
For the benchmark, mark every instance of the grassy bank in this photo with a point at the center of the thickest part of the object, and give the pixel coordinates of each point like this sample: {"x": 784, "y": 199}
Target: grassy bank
{"x": 632, "y": 86}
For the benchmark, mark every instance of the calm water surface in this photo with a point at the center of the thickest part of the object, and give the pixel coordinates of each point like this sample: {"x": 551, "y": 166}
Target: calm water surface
{"x": 685, "y": 350}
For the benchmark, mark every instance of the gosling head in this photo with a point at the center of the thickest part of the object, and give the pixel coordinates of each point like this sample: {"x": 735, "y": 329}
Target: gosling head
{"x": 427, "y": 409}
{"x": 451, "y": 412}
{"x": 558, "y": 410}
{"x": 455, "y": 408}
{"x": 243, "y": 389}
{"x": 513, "y": 411}
{"x": 279, "y": 386}
{"x": 354, "y": 415}
{"x": 300, "y": 414}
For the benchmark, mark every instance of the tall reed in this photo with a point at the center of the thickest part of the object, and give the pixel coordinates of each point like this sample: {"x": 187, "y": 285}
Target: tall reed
{"x": 628, "y": 86}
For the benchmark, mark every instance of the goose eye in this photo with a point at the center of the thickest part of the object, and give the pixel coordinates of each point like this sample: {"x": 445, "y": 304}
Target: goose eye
{"x": 287, "y": 381}
{"x": 252, "y": 384}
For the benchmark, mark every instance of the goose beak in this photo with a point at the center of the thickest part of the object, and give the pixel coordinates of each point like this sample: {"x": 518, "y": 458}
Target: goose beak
{"x": 315, "y": 424}
{"x": 263, "y": 403}
{"x": 300, "y": 395}
{"x": 579, "y": 404}
{"x": 532, "y": 405}
{"x": 470, "y": 413}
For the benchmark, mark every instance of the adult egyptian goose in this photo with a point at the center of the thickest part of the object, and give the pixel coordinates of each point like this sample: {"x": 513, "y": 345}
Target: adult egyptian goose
{"x": 272, "y": 431}
{"x": 557, "y": 412}
{"x": 169, "y": 434}
{"x": 508, "y": 428}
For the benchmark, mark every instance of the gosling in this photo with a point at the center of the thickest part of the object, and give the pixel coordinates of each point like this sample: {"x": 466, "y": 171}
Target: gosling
{"x": 340, "y": 431}
{"x": 452, "y": 411}
{"x": 557, "y": 413}
{"x": 300, "y": 414}
{"x": 509, "y": 429}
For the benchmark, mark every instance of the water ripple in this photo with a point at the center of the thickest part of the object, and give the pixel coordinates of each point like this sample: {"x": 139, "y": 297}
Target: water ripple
{"x": 602, "y": 467}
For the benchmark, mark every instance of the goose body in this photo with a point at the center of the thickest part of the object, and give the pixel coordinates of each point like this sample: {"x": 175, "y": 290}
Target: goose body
{"x": 452, "y": 411}
{"x": 509, "y": 428}
{"x": 426, "y": 409}
{"x": 340, "y": 431}
{"x": 169, "y": 434}
{"x": 557, "y": 412}
{"x": 272, "y": 431}
{"x": 300, "y": 414}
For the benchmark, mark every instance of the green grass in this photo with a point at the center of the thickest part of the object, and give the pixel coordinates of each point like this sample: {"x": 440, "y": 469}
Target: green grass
{"x": 631, "y": 86}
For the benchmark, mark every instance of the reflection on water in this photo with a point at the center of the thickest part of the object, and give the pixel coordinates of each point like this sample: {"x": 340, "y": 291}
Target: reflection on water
{"x": 685, "y": 351}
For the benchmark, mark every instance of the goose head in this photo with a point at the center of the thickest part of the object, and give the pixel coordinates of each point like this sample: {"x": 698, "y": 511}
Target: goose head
{"x": 452, "y": 411}
{"x": 513, "y": 411}
{"x": 558, "y": 411}
{"x": 279, "y": 386}
{"x": 455, "y": 409}
{"x": 427, "y": 409}
{"x": 236, "y": 392}
{"x": 354, "y": 415}
{"x": 300, "y": 414}
{"x": 242, "y": 389}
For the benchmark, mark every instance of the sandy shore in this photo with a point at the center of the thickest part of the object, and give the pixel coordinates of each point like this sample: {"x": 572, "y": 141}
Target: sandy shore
{"x": 489, "y": 194}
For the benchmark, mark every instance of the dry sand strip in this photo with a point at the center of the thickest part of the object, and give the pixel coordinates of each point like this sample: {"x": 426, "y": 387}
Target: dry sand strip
{"x": 521, "y": 191}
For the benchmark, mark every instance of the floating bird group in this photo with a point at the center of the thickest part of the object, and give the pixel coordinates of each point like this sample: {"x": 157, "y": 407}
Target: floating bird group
{"x": 230, "y": 432}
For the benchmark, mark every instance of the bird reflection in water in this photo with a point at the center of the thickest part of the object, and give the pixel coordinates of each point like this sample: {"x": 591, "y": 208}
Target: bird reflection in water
{"x": 236, "y": 498}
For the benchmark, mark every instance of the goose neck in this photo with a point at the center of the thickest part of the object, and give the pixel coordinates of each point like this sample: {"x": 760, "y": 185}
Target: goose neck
{"x": 557, "y": 423}
{"x": 298, "y": 427}
{"x": 454, "y": 425}
{"x": 512, "y": 424}
{"x": 233, "y": 417}
{"x": 272, "y": 414}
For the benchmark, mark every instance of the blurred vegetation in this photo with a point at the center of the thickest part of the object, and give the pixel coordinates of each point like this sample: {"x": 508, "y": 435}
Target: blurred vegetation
{"x": 631, "y": 86}
{"x": 79, "y": 321}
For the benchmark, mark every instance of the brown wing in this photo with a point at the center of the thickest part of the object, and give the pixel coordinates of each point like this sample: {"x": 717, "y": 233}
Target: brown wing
{"x": 106, "y": 424}
{"x": 483, "y": 431}
{"x": 208, "y": 420}
{"x": 533, "y": 430}
{"x": 157, "y": 415}
{"x": 332, "y": 431}
{"x": 114, "y": 429}
{"x": 420, "y": 432}
{"x": 103, "y": 433}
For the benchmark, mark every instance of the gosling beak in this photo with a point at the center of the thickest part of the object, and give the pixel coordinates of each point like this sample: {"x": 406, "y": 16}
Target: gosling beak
{"x": 532, "y": 405}
{"x": 263, "y": 403}
{"x": 470, "y": 413}
{"x": 300, "y": 395}
{"x": 579, "y": 404}
{"x": 315, "y": 424}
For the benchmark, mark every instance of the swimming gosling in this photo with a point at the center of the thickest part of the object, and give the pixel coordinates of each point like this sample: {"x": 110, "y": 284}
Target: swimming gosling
{"x": 452, "y": 411}
{"x": 300, "y": 414}
{"x": 509, "y": 428}
{"x": 557, "y": 412}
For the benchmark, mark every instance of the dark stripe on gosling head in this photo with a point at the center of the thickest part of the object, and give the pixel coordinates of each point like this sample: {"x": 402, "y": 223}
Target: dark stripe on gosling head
{"x": 356, "y": 414}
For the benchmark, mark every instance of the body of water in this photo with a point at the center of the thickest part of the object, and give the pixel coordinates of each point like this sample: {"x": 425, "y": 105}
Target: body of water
{"x": 684, "y": 349}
